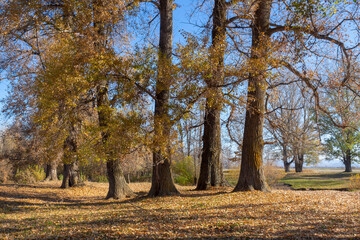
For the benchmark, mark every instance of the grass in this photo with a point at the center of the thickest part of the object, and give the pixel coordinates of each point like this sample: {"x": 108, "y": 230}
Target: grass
{"x": 319, "y": 179}
{"x": 44, "y": 211}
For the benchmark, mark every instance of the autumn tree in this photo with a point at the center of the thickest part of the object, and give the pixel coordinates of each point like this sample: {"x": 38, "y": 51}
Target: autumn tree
{"x": 291, "y": 123}
{"x": 162, "y": 181}
{"x": 341, "y": 129}
{"x": 211, "y": 167}
{"x": 252, "y": 173}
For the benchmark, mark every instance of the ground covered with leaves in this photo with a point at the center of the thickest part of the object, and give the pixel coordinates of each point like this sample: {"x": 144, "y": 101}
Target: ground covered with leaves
{"x": 44, "y": 211}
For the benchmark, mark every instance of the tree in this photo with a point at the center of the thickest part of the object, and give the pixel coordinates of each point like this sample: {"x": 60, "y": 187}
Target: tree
{"x": 341, "y": 128}
{"x": 118, "y": 187}
{"x": 162, "y": 181}
{"x": 252, "y": 174}
{"x": 292, "y": 125}
{"x": 211, "y": 167}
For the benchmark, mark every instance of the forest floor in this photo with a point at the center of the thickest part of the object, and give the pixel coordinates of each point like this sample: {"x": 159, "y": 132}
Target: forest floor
{"x": 44, "y": 211}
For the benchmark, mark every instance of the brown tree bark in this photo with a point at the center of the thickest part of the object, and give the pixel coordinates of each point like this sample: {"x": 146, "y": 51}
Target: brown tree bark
{"x": 211, "y": 173}
{"x": 252, "y": 174}
{"x": 118, "y": 188}
{"x": 51, "y": 171}
{"x": 71, "y": 175}
{"x": 162, "y": 182}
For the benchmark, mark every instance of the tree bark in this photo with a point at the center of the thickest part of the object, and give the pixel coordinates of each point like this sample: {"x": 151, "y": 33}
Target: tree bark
{"x": 211, "y": 173}
{"x": 299, "y": 162}
{"x": 118, "y": 187}
{"x": 162, "y": 182}
{"x": 51, "y": 171}
{"x": 252, "y": 174}
{"x": 71, "y": 175}
{"x": 347, "y": 161}
{"x": 285, "y": 159}
{"x": 287, "y": 166}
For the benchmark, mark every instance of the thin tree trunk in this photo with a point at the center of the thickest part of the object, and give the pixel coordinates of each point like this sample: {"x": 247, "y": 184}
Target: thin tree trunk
{"x": 287, "y": 167}
{"x": 162, "y": 182}
{"x": 211, "y": 173}
{"x": 285, "y": 159}
{"x": 347, "y": 161}
{"x": 252, "y": 174}
{"x": 118, "y": 187}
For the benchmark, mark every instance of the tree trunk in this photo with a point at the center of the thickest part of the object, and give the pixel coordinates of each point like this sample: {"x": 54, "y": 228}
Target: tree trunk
{"x": 51, "y": 171}
{"x": 252, "y": 173}
{"x": 162, "y": 182}
{"x": 210, "y": 158}
{"x": 285, "y": 159}
{"x": 347, "y": 161}
{"x": 211, "y": 173}
{"x": 287, "y": 166}
{"x": 118, "y": 187}
{"x": 299, "y": 162}
{"x": 71, "y": 175}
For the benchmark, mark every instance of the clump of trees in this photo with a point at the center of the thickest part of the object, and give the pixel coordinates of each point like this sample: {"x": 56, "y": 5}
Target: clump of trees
{"x": 92, "y": 87}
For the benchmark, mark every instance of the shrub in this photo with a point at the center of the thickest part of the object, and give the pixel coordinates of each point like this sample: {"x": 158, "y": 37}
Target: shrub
{"x": 273, "y": 174}
{"x": 30, "y": 174}
{"x": 184, "y": 171}
{"x": 5, "y": 170}
{"x": 100, "y": 178}
{"x": 355, "y": 181}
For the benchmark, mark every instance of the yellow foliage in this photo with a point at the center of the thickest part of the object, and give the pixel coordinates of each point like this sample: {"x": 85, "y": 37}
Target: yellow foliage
{"x": 355, "y": 181}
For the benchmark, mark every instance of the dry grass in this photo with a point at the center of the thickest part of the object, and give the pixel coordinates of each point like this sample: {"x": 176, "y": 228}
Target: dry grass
{"x": 44, "y": 211}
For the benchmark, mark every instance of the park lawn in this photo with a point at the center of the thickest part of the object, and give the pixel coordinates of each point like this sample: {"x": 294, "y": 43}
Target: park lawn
{"x": 43, "y": 211}
{"x": 319, "y": 179}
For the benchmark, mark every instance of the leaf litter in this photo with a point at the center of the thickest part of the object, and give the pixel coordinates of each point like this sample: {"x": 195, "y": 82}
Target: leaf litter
{"x": 44, "y": 211}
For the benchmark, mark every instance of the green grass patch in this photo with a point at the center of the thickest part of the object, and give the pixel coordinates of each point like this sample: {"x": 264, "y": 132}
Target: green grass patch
{"x": 318, "y": 180}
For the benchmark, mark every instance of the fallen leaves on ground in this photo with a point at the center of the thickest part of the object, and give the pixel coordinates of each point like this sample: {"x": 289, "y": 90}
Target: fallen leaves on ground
{"x": 47, "y": 212}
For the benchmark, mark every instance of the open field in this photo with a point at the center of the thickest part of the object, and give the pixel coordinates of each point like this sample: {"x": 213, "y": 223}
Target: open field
{"x": 318, "y": 179}
{"x": 44, "y": 211}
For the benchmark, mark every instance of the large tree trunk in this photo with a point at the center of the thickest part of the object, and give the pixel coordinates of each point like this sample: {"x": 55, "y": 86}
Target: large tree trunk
{"x": 252, "y": 173}
{"x": 118, "y": 187}
{"x": 299, "y": 162}
{"x": 71, "y": 175}
{"x": 211, "y": 149}
{"x": 347, "y": 161}
{"x": 51, "y": 171}
{"x": 162, "y": 182}
{"x": 211, "y": 173}
{"x": 51, "y": 167}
